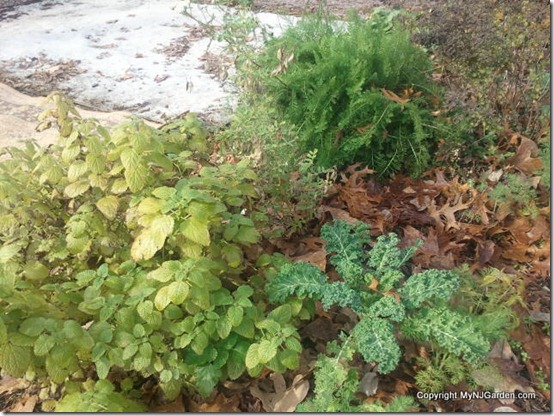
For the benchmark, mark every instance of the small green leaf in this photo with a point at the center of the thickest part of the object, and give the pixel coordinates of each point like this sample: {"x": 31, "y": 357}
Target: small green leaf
{"x": 139, "y": 331}
{"x": 199, "y": 343}
{"x": 32, "y": 326}
{"x": 145, "y": 309}
{"x": 290, "y": 359}
{"x": 129, "y": 351}
{"x": 233, "y": 255}
{"x": 36, "y": 271}
{"x": 223, "y": 328}
{"x": 150, "y": 206}
{"x": 166, "y": 376}
{"x": 14, "y": 359}
{"x": 43, "y": 345}
{"x": 281, "y": 314}
{"x": 235, "y": 366}
{"x": 243, "y": 292}
{"x": 247, "y": 235}
{"x": 72, "y": 329}
{"x": 251, "y": 360}
{"x": 96, "y": 163}
{"x": 152, "y": 239}
{"x": 269, "y": 325}
{"x": 293, "y": 344}
{"x": 235, "y": 314}
{"x": 119, "y": 186}
{"x": 164, "y": 192}
{"x": 266, "y": 351}
{"x": 102, "y": 368}
{"x": 246, "y": 329}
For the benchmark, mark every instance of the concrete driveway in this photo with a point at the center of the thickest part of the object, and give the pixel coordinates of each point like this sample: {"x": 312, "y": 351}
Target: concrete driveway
{"x": 141, "y": 56}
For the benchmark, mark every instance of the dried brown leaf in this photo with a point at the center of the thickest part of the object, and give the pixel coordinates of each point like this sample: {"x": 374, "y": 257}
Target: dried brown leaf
{"x": 282, "y": 399}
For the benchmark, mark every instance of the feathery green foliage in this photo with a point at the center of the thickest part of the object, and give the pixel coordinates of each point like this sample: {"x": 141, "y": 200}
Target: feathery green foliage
{"x": 356, "y": 93}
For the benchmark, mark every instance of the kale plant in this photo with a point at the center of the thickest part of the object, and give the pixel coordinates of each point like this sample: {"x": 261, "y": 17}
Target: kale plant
{"x": 388, "y": 302}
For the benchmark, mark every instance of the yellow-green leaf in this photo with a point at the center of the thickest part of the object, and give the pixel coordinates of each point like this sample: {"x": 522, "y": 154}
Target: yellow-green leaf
{"x": 152, "y": 239}
{"x": 266, "y": 351}
{"x": 119, "y": 186}
{"x": 7, "y": 252}
{"x": 252, "y": 359}
{"x": 150, "y": 206}
{"x": 190, "y": 249}
{"x": 196, "y": 230}
{"x": 162, "y": 298}
{"x": 76, "y": 170}
{"x": 76, "y": 188}
{"x": 161, "y": 274}
{"x": 70, "y": 153}
{"x": 14, "y": 360}
{"x": 96, "y": 162}
{"x": 178, "y": 292}
{"x": 36, "y": 271}
{"x": 233, "y": 255}
{"x": 108, "y": 206}
{"x": 162, "y": 225}
{"x": 135, "y": 170}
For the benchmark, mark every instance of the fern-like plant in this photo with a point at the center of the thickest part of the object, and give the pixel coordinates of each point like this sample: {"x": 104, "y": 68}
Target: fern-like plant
{"x": 357, "y": 93}
{"x": 387, "y": 301}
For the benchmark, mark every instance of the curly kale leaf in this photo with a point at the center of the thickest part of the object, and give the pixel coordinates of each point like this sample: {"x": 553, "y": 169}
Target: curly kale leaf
{"x": 388, "y": 307}
{"x": 451, "y": 330}
{"x": 377, "y": 343}
{"x": 347, "y": 241}
{"x": 301, "y": 279}
{"x": 386, "y": 258}
{"x": 339, "y": 293}
{"x": 439, "y": 284}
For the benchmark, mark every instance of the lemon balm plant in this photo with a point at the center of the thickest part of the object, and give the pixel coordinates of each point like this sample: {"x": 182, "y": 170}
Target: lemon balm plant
{"x": 125, "y": 249}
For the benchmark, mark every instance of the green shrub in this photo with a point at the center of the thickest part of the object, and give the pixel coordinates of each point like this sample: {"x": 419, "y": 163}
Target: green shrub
{"x": 290, "y": 184}
{"x": 126, "y": 250}
{"x": 360, "y": 93}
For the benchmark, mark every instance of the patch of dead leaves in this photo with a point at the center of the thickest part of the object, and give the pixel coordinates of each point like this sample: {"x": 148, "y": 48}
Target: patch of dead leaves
{"x": 276, "y": 397}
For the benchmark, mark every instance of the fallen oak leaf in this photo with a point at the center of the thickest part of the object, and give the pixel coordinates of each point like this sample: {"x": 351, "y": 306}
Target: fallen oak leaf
{"x": 220, "y": 404}
{"x": 283, "y": 399}
{"x": 26, "y": 405}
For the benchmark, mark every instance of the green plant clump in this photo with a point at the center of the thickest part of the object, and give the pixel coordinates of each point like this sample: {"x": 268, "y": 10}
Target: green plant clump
{"x": 387, "y": 301}
{"x": 102, "y": 397}
{"x": 356, "y": 93}
{"x": 125, "y": 250}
